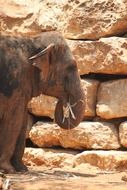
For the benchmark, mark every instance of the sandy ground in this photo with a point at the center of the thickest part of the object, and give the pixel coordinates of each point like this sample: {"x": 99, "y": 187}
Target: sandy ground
{"x": 91, "y": 178}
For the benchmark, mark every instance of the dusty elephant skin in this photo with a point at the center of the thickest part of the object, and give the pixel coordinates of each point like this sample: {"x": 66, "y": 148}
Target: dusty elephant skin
{"x": 29, "y": 66}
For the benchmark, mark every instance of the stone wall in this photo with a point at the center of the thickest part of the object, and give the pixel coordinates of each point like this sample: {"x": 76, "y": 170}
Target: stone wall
{"x": 96, "y": 33}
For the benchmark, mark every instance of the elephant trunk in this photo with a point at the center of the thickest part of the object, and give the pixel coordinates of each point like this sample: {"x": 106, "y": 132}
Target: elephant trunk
{"x": 70, "y": 113}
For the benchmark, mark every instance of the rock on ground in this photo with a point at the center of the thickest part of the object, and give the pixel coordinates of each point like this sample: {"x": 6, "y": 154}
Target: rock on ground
{"x": 48, "y": 157}
{"x": 105, "y": 160}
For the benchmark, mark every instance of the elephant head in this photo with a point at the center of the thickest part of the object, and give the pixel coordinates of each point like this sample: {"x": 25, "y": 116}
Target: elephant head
{"x": 60, "y": 78}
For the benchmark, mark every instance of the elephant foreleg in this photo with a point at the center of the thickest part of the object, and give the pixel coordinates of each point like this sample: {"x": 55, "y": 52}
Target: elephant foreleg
{"x": 19, "y": 150}
{"x": 10, "y": 128}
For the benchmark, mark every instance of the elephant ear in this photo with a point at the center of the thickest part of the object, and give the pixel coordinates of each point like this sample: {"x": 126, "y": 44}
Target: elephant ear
{"x": 47, "y": 50}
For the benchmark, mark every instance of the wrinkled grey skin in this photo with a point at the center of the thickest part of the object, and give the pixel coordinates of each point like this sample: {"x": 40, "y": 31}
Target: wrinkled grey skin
{"x": 28, "y": 67}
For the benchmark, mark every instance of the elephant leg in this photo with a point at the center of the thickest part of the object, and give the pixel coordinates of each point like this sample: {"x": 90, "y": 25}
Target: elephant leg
{"x": 10, "y": 128}
{"x": 20, "y": 145}
{"x": 5, "y": 165}
{"x": 7, "y": 144}
{"x": 19, "y": 151}
{"x": 5, "y": 154}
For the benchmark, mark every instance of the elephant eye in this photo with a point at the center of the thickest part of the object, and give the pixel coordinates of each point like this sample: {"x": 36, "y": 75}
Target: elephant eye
{"x": 71, "y": 68}
{"x": 37, "y": 50}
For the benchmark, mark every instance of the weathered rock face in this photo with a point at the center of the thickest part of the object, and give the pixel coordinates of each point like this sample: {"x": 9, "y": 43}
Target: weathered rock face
{"x": 123, "y": 133}
{"x": 107, "y": 55}
{"x": 31, "y": 17}
{"x": 45, "y": 135}
{"x": 90, "y": 89}
{"x": 82, "y": 19}
{"x": 25, "y": 17}
{"x": 88, "y": 135}
{"x": 112, "y": 99}
{"x": 45, "y": 105}
{"x": 95, "y": 19}
{"x": 48, "y": 157}
{"x": 105, "y": 160}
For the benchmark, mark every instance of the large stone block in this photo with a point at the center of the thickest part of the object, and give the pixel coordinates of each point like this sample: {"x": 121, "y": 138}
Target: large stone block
{"x": 107, "y": 55}
{"x": 32, "y": 17}
{"x": 45, "y": 105}
{"x": 88, "y": 135}
{"x": 112, "y": 99}
{"x": 94, "y": 19}
{"x": 48, "y": 157}
{"x": 74, "y": 161}
{"x": 82, "y": 19}
{"x": 123, "y": 133}
{"x": 106, "y": 160}
{"x": 90, "y": 89}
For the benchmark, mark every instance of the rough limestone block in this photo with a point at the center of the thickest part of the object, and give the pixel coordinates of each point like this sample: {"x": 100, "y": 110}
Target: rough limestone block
{"x": 107, "y": 55}
{"x": 106, "y": 160}
{"x": 72, "y": 160}
{"x": 33, "y": 17}
{"x": 123, "y": 133}
{"x": 94, "y": 19}
{"x": 90, "y": 89}
{"x": 88, "y": 135}
{"x": 82, "y": 19}
{"x": 112, "y": 99}
{"x": 48, "y": 157}
{"x": 45, "y": 105}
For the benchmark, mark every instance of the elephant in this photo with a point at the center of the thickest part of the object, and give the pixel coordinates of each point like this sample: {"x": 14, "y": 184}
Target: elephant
{"x": 29, "y": 66}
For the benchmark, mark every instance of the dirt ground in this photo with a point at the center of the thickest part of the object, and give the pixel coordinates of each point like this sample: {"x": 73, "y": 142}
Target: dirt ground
{"x": 39, "y": 178}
